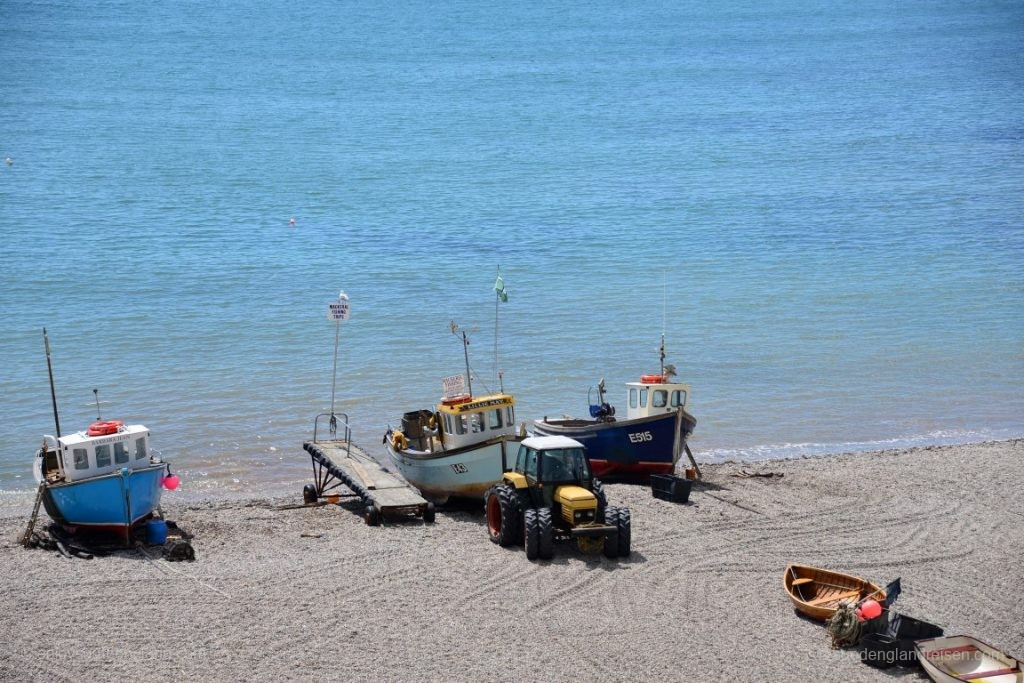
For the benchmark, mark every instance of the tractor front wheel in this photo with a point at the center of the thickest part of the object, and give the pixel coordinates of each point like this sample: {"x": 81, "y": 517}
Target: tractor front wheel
{"x": 531, "y": 534}
{"x": 546, "y": 534}
{"x": 611, "y": 543}
{"x": 502, "y": 520}
{"x": 597, "y": 488}
{"x": 625, "y": 533}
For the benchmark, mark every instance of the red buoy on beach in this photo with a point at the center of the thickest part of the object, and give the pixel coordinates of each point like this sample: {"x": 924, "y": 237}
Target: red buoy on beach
{"x": 171, "y": 482}
{"x": 870, "y": 609}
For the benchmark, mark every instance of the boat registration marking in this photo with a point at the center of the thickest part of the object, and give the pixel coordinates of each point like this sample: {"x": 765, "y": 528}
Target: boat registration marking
{"x": 640, "y": 437}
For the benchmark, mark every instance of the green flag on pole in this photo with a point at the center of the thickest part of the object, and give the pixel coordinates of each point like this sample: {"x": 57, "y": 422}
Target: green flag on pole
{"x": 499, "y": 287}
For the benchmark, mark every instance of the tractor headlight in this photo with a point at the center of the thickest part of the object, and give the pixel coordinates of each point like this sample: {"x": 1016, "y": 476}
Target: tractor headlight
{"x": 583, "y": 515}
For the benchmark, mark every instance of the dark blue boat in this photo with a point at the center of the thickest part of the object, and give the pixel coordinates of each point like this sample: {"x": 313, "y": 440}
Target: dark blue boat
{"x": 648, "y": 441}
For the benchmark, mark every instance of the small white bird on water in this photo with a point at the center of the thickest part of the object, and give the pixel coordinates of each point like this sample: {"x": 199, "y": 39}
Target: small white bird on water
{"x": 9, "y": 161}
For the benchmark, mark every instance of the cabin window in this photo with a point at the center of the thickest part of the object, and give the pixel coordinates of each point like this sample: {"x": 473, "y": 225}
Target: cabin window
{"x": 678, "y": 398}
{"x": 521, "y": 459}
{"x": 510, "y": 416}
{"x": 103, "y": 455}
{"x": 120, "y": 454}
{"x": 660, "y": 398}
{"x": 81, "y": 459}
{"x": 531, "y": 463}
{"x": 632, "y": 398}
{"x": 460, "y": 424}
{"x": 448, "y": 424}
{"x": 494, "y": 421}
{"x": 476, "y": 422}
{"x": 140, "y": 449}
{"x": 643, "y": 397}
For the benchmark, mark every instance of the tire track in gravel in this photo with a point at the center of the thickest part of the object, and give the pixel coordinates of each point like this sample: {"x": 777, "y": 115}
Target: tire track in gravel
{"x": 584, "y": 585}
{"x": 509, "y": 576}
{"x": 778, "y": 541}
{"x": 783, "y": 533}
{"x": 747, "y": 524}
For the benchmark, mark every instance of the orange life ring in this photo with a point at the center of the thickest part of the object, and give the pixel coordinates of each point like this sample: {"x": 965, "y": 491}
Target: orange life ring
{"x": 653, "y": 379}
{"x": 104, "y": 427}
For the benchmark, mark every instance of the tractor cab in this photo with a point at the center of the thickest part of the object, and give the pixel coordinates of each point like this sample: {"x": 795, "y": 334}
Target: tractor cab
{"x": 549, "y": 462}
{"x": 550, "y": 493}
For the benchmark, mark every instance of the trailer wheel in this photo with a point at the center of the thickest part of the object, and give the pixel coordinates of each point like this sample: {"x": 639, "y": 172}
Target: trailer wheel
{"x": 502, "y": 517}
{"x": 309, "y": 494}
{"x": 611, "y": 543}
{"x": 428, "y": 513}
{"x": 372, "y": 515}
{"x": 625, "y": 532}
{"x": 531, "y": 534}
{"x": 546, "y": 534}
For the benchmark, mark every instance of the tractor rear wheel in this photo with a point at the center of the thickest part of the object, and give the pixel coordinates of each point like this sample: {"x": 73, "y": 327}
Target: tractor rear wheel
{"x": 502, "y": 517}
{"x": 625, "y": 532}
{"x": 597, "y": 488}
{"x": 611, "y": 543}
{"x": 531, "y": 533}
{"x": 546, "y": 534}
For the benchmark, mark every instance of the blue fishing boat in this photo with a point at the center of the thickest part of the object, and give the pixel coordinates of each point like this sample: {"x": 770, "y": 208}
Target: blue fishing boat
{"x": 104, "y": 478}
{"x": 648, "y": 441}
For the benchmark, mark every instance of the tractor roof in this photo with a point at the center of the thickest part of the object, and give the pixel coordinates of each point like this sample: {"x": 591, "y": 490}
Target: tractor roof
{"x": 541, "y": 443}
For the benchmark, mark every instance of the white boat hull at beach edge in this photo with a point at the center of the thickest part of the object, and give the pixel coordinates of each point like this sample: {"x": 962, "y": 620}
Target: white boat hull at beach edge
{"x": 465, "y": 473}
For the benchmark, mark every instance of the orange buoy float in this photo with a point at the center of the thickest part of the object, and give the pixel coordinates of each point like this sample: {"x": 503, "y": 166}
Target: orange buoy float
{"x": 104, "y": 427}
{"x": 653, "y": 379}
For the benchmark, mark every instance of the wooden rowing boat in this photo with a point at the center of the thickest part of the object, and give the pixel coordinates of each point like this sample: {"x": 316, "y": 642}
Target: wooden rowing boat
{"x": 817, "y": 593}
{"x": 962, "y": 658}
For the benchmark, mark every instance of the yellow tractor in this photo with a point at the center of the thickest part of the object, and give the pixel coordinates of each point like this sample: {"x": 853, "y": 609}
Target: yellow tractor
{"x": 548, "y": 495}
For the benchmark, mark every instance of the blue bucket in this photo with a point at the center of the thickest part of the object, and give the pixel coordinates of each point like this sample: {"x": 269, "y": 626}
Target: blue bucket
{"x": 156, "y": 532}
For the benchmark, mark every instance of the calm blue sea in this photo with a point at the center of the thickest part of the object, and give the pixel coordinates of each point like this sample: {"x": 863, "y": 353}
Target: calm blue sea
{"x": 821, "y": 205}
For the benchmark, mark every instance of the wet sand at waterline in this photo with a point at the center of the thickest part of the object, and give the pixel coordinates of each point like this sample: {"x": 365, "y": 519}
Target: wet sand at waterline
{"x": 289, "y": 594}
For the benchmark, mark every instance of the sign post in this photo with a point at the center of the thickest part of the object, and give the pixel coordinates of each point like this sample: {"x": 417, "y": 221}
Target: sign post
{"x": 336, "y": 311}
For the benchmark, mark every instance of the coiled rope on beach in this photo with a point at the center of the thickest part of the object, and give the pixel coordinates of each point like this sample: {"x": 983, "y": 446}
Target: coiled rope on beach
{"x": 844, "y": 626}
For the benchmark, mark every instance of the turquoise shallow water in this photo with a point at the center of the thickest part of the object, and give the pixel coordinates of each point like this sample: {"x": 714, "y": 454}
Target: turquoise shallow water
{"x": 820, "y": 206}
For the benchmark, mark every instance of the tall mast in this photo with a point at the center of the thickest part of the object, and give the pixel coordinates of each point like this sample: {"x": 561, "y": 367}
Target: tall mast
{"x": 465, "y": 352}
{"x": 53, "y": 390}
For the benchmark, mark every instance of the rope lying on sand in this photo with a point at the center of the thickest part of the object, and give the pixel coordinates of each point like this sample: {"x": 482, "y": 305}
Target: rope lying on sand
{"x": 166, "y": 570}
{"x": 844, "y": 626}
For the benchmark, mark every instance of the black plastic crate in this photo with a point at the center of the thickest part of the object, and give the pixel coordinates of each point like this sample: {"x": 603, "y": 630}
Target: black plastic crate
{"x": 878, "y": 650}
{"x": 889, "y": 639}
{"x": 669, "y": 487}
{"x": 905, "y": 630}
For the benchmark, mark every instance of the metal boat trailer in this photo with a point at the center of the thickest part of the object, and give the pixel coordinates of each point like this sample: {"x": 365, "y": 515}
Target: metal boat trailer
{"x": 337, "y": 462}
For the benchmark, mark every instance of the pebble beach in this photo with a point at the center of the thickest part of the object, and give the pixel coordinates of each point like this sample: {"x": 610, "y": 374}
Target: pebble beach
{"x": 284, "y": 592}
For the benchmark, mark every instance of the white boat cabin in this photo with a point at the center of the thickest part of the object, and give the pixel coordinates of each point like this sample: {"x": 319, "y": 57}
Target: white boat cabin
{"x": 655, "y": 395}
{"x": 104, "y": 448}
{"x": 466, "y": 420}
